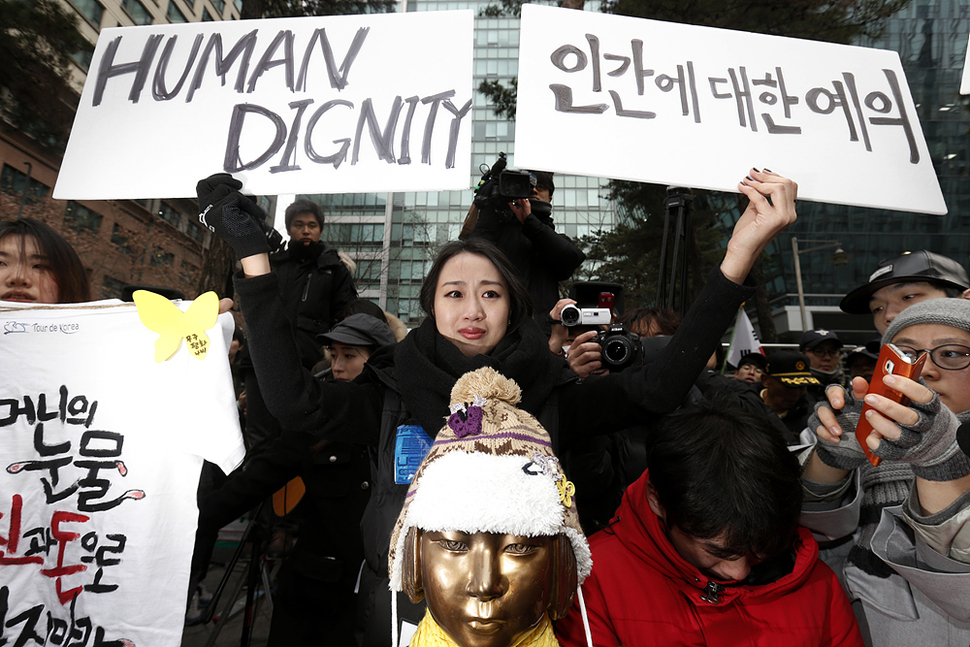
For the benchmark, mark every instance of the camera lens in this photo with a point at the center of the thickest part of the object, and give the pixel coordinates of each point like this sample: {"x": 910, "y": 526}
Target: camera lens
{"x": 570, "y": 315}
{"x": 617, "y": 351}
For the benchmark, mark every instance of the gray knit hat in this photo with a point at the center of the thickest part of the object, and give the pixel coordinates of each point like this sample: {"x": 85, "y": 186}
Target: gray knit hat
{"x": 949, "y": 312}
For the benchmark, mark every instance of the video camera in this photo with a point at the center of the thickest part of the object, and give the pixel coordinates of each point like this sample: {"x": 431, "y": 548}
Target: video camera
{"x": 500, "y": 185}
{"x": 575, "y": 316}
{"x": 601, "y": 315}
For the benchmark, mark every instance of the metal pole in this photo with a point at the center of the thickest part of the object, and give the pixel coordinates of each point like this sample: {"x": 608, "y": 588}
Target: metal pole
{"x": 683, "y": 301}
{"x": 798, "y": 283}
{"x": 675, "y": 257}
{"x": 662, "y": 273}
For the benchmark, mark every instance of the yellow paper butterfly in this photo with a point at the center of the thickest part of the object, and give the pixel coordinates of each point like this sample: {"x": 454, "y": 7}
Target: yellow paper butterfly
{"x": 160, "y": 315}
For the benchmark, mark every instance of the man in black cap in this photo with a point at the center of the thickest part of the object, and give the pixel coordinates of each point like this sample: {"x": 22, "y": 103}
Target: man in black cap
{"x": 861, "y": 362}
{"x": 824, "y": 351}
{"x": 785, "y": 381}
{"x": 352, "y": 342}
{"x": 750, "y": 368}
{"x": 900, "y": 282}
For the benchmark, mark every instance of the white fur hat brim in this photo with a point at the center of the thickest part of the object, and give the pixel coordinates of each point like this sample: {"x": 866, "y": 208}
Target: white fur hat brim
{"x": 478, "y": 492}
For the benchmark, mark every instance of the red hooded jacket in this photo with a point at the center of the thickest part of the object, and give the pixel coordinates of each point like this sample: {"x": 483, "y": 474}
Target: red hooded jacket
{"x": 642, "y": 592}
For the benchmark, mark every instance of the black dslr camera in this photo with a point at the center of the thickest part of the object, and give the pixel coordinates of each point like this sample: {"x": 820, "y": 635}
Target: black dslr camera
{"x": 621, "y": 348}
{"x": 500, "y": 185}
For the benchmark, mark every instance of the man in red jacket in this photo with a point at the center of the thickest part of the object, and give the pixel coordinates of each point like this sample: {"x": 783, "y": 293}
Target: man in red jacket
{"x": 705, "y": 548}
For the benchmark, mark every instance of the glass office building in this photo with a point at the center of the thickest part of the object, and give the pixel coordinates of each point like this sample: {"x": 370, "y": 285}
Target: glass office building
{"x": 393, "y": 246}
{"x": 931, "y": 38}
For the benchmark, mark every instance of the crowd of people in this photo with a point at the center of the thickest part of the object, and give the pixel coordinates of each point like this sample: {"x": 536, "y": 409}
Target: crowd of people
{"x": 567, "y": 500}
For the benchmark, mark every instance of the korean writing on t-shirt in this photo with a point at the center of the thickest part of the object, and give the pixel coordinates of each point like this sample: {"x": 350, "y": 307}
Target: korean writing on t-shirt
{"x": 65, "y": 481}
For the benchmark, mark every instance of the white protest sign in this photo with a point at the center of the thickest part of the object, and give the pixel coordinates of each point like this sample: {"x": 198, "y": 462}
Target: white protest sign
{"x": 102, "y": 449}
{"x": 635, "y": 99}
{"x": 290, "y": 105}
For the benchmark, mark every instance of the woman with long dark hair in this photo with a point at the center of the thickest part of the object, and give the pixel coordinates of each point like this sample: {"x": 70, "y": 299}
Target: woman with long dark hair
{"x": 479, "y": 315}
{"x": 37, "y": 265}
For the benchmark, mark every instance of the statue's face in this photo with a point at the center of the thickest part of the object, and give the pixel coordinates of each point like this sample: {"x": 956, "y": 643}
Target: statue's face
{"x": 485, "y": 589}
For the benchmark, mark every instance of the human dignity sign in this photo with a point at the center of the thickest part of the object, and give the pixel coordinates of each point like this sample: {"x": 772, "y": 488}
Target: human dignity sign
{"x": 106, "y": 414}
{"x": 338, "y": 104}
{"x": 696, "y": 106}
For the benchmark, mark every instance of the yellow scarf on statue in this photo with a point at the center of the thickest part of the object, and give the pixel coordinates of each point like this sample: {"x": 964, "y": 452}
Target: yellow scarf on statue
{"x": 429, "y": 634}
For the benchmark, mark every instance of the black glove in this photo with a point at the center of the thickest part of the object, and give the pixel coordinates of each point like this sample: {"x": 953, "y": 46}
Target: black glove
{"x": 231, "y": 215}
{"x": 205, "y": 187}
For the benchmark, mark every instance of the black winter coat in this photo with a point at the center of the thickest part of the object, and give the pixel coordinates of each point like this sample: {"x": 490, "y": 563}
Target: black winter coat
{"x": 315, "y": 286}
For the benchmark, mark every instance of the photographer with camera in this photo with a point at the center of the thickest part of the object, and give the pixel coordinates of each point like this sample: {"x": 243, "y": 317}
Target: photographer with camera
{"x": 604, "y": 465}
{"x": 515, "y": 214}
{"x": 616, "y": 345}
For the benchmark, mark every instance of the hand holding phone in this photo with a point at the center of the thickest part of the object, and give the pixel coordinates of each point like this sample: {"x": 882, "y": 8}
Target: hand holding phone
{"x": 891, "y": 361}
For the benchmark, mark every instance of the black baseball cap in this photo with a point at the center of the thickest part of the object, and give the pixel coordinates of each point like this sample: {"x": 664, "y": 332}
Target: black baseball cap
{"x": 360, "y": 330}
{"x": 812, "y": 338}
{"x": 791, "y": 368}
{"x": 757, "y": 359}
{"x": 870, "y": 350}
{"x": 921, "y": 265}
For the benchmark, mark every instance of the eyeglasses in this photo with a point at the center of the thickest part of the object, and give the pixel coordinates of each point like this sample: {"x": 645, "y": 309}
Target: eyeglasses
{"x": 951, "y": 357}
{"x": 821, "y": 352}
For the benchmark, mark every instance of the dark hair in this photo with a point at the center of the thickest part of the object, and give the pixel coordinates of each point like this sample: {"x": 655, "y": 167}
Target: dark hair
{"x": 949, "y": 290}
{"x": 520, "y": 304}
{"x": 544, "y": 181}
{"x": 66, "y": 266}
{"x": 667, "y": 320}
{"x": 302, "y": 206}
{"x": 720, "y": 472}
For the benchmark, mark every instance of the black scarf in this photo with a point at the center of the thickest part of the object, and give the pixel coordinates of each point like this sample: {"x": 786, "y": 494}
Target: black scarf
{"x": 302, "y": 252}
{"x": 427, "y": 365}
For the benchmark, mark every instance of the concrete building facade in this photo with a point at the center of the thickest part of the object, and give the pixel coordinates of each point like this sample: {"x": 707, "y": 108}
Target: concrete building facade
{"x": 150, "y": 241}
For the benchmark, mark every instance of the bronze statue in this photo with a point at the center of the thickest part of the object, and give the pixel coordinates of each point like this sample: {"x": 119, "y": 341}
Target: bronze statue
{"x": 489, "y": 535}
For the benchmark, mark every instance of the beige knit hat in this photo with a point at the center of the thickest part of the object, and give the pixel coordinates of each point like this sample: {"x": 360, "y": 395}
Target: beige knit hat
{"x": 490, "y": 469}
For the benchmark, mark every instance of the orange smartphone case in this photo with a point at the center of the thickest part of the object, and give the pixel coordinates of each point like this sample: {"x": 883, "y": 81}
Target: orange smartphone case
{"x": 891, "y": 361}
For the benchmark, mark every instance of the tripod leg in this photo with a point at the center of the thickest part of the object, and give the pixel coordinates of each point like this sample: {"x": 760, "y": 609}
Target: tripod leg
{"x": 227, "y": 609}
{"x": 267, "y": 577}
{"x": 252, "y": 580}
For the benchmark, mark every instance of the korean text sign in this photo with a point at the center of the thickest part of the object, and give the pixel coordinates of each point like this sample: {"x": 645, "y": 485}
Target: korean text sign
{"x": 102, "y": 450}
{"x": 291, "y": 105}
{"x": 696, "y": 106}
